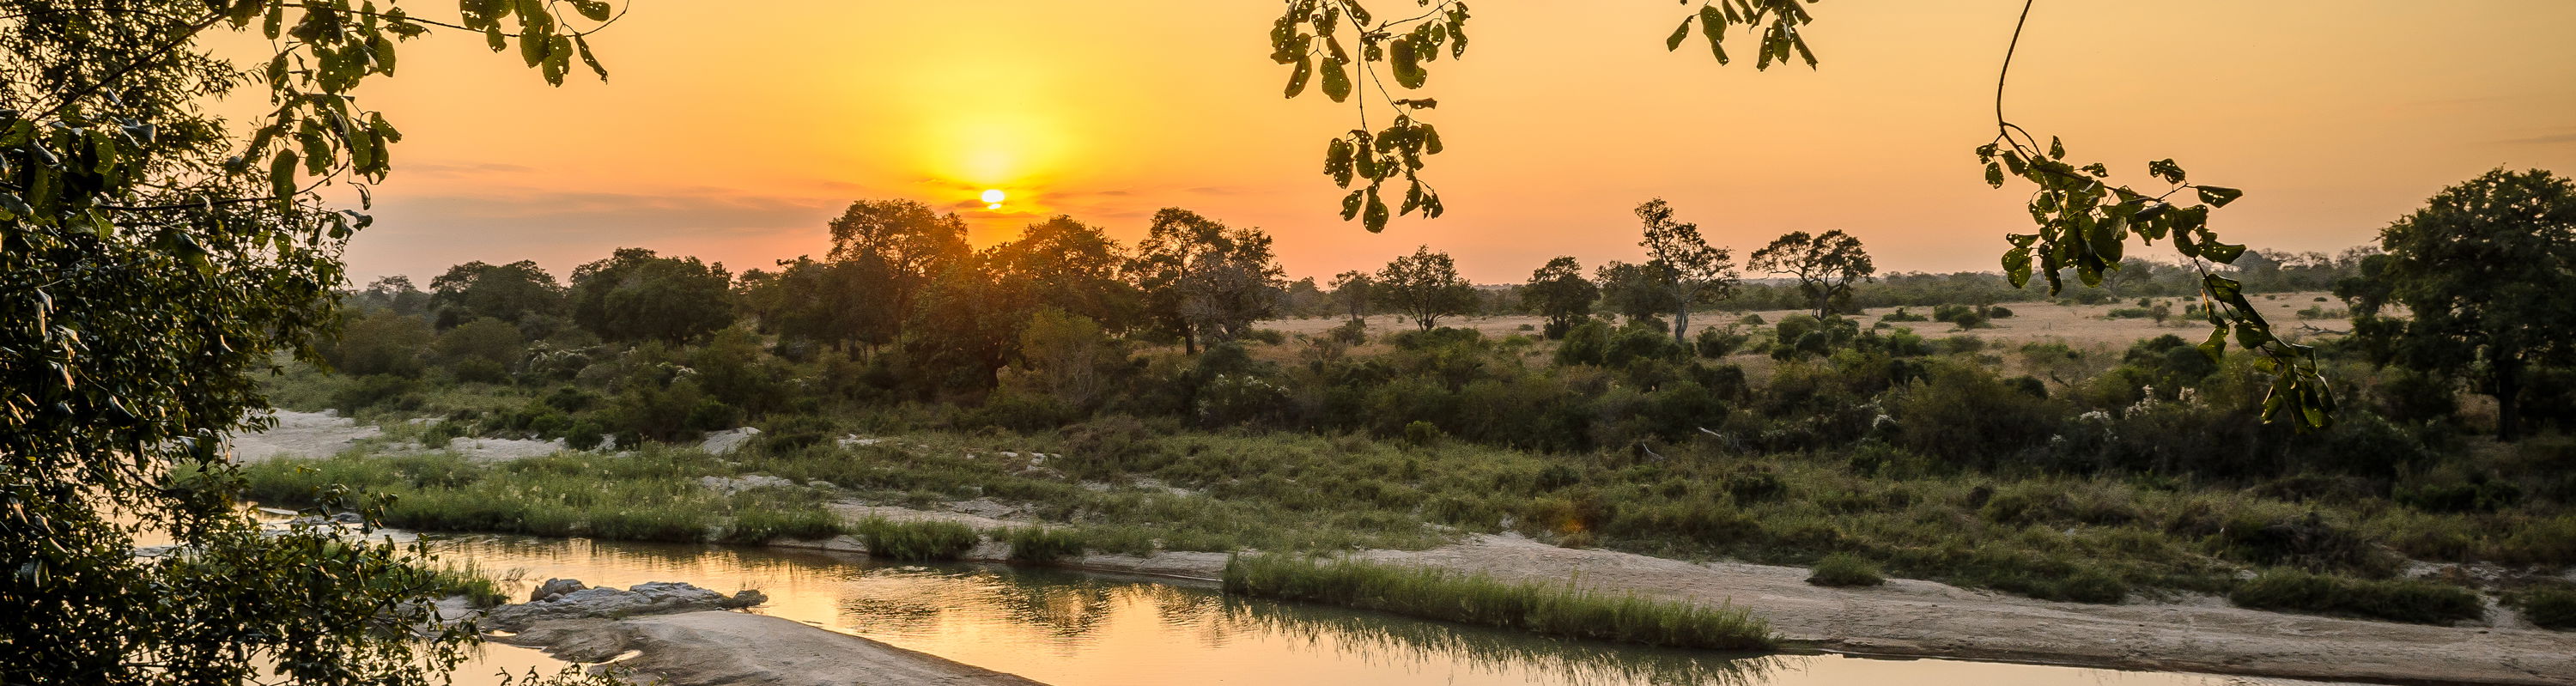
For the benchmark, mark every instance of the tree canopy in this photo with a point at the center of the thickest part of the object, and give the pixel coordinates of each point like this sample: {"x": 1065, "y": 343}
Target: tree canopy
{"x": 1558, "y": 291}
{"x": 1693, "y": 271}
{"x": 2484, "y": 270}
{"x": 1425, "y": 286}
{"x": 1825, "y": 265}
{"x": 151, "y": 261}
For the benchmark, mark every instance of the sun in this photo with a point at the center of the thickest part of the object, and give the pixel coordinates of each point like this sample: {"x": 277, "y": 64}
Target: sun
{"x": 993, "y": 198}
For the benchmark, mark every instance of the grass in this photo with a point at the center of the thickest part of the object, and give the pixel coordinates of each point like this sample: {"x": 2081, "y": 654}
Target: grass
{"x": 916, "y": 540}
{"x": 1841, "y": 569}
{"x": 1039, "y": 545}
{"x": 1547, "y": 609}
{"x": 2402, "y": 600}
{"x": 468, "y": 579}
{"x": 2549, "y": 606}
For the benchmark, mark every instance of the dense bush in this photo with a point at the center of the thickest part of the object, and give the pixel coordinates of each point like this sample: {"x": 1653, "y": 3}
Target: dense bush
{"x": 2550, "y": 606}
{"x": 915, "y": 540}
{"x": 1039, "y": 545}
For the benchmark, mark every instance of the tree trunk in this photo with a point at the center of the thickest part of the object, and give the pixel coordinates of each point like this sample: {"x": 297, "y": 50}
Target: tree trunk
{"x": 1681, "y": 323}
{"x": 2508, "y": 395}
{"x": 1189, "y": 340}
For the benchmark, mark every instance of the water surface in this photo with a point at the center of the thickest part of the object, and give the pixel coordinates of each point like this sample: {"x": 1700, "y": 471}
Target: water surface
{"x": 1070, "y": 629}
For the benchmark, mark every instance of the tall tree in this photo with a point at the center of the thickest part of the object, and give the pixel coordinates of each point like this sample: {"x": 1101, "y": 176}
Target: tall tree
{"x": 1692, "y": 270}
{"x": 904, "y": 241}
{"x": 1355, "y": 291}
{"x": 1825, "y": 265}
{"x": 1559, "y": 292}
{"x": 1202, "y": 279}
{"x": 153, "y": 257}
{"x": 2485, "y": 269}
{"x": 1425, "y": 286}
{"x": 637, "y": 295}
{"x": 1070, "y": 266}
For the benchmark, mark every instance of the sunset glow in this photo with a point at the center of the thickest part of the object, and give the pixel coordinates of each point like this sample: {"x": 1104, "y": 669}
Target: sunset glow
{"x": 1562, "y": 123}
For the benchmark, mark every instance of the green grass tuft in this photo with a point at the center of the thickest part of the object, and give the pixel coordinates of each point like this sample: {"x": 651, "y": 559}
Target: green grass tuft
{"x": 2403, "y": 600}
{"x": 1042, "y": 546}
{"x": 1841, "y": 569}
{"x": 919, "y": 540}
{"x": 1476, "y": 599}
{"x": 2551, "y": 607}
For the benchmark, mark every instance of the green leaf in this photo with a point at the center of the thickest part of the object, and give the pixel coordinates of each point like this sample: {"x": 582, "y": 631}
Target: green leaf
{"x": 1405, "y": 59}
{"x": 281, "y": 177}
{"x": 1994, "y": 175}
{"x": 2222, "y": 253}
{"x": 2219, "y": 196}
{"x": 2017, "y": 266}
{"x": 2056, "y": 148}
{"x": 1374, "y": 218}
{"x": 1337, "y": 82}
{"x": 1351, "y": 203}
{"x": 588, "y": 59}
{"x": 1674, "y": 42}
{"x": 594, "y": 10}
{"x": 1297, "y": 77}
{"x": 2166, "y": 169}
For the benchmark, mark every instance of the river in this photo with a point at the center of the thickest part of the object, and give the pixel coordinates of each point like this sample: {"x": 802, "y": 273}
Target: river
{"x": 1073, "y": 629}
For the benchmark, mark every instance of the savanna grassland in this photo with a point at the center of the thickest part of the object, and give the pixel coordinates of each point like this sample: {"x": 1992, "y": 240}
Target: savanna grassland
{"x": 2077, "y": 449}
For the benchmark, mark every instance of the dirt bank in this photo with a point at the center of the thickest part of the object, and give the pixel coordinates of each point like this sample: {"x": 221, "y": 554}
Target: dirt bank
{"x": 1927, "y": 619}
{"x": 720, "y": 647}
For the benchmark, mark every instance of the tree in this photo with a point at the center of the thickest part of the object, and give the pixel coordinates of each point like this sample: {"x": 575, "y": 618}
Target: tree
{"x": 1425, "y": 286}
{"x": 2484, "y": 268}
{"x": 910, "y": 242}
{"x": 1201, "y": 278}
{"x": 1354, "y": 290}
{"x": 1688, "y": 267}
{"x": 393, "y": 293}
{"x": 636, "y": 295}
{"x": 1634, "y": 291}
{"x": 1559, "y": 292}
{"x": 1825, "y": 265}
{"x": 1070, "y": 266}
{"x": 518, "y": 292}
{"x": 151, "y": 261}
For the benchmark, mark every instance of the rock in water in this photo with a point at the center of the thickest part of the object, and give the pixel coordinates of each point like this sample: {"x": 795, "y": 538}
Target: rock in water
{"x": 609, "y": 603}
{"x": 555, "y": 588}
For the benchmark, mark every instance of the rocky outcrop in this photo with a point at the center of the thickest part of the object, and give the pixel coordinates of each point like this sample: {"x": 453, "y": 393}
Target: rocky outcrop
{"x": 555, "y": 588}
{"x": 723, "y": 442}
{"x": 609, "y": 603}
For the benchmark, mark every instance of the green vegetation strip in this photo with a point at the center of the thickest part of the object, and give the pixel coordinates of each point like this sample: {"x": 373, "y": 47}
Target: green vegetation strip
{"x": 2403, "y": 600}
{"x": 1477, "y": 599}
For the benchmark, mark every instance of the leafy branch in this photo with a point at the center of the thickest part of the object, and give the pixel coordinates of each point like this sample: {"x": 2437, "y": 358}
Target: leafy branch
{"x": 2085, "y": 223}
{"x": 1308, "y": 38}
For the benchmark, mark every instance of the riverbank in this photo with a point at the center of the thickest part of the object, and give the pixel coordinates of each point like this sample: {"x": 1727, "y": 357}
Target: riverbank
{"x": 713, "y": 647}
{"x": 1913, "y": 618}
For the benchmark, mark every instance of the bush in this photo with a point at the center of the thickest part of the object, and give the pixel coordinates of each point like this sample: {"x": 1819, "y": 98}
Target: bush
{"x": 1843, "y": 569}
{"x": 1900, "y": 315}
{"x": 1042, "y": 546}
{"x": 1718, "y": 343}
{"x": 2406, "y": 600}
{"x": 1999, "y": 312}
{"x": 373, "y": 391}
{"x": 2550, "y": 607}
{"x": 918, "y": 540}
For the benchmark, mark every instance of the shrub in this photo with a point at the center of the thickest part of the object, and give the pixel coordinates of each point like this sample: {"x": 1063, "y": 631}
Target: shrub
{"x": 1900, "y": 315}
{"x": 2550, "y": 607}
{"x": 2405, "y": 600}
{"x": 1718, "y": 343}
{"x": 1999, "y": 312}
{"x": 584, "y": 434}
{"x": 1476, "y": 599}
{"x": 373, "y": 391}
{"x": 916, "y": 540}
{"x": 1843, "y": 569}
{"x": 1042, "y": 546}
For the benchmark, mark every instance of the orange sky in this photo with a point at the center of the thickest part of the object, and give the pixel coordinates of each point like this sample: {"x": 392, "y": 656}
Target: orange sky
{"x": 732, "y": 131}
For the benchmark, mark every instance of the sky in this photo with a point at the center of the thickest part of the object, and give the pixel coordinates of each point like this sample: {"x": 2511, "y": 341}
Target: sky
{"x": 733, "y": 131}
